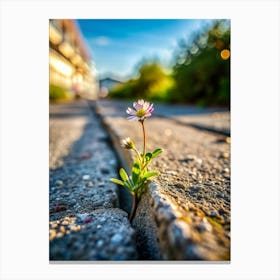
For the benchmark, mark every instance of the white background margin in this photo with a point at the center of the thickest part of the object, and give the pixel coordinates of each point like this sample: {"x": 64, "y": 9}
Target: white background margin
{"x": 255, "y": 138}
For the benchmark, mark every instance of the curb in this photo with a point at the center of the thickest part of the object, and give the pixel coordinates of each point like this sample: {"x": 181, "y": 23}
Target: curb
{"x": 163, "y": 232}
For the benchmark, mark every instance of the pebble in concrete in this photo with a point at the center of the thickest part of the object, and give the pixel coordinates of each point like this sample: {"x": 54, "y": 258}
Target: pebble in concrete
{"x": 100, "y": 239}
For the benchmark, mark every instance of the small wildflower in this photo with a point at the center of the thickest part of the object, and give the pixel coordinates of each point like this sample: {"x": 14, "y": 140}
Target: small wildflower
{"x": 57, "y": 208}
{"x": 127, "y": 143}
{"x": 143, "y": 110}
{"x": 140, "y": 174}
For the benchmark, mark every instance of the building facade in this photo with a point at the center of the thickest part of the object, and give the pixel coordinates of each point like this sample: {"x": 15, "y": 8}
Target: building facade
{"x": 69, "y": 60}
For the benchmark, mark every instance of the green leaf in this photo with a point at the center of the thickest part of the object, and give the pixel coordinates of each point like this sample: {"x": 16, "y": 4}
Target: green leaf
{"x": 124, "y": 175}
{"x": 148, "y": 157}
{"x": 116, "y": 181}
{"x": 135, "y": 172}
{"x": 135, "y": 187}
{"x": 150, "y": 174}
{"x": 156, "y": 152}
{"x": 129, "y": 186}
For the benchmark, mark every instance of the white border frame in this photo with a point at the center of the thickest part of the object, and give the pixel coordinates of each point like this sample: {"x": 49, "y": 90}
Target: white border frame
{"x": 254, "y": 127}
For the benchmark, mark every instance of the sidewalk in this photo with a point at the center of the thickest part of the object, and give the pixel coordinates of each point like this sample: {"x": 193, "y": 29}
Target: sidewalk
{"x": 209, "y": 119}
{"x": 86, "y": 222}
{"x": 186, "y": 210}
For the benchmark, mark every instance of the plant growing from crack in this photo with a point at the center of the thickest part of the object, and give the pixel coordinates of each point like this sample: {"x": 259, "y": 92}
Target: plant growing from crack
{"x": 140, "y": 173}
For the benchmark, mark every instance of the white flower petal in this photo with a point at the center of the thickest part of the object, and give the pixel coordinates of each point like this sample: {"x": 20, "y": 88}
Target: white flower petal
{"x": 131, "y": 111}
{"x": 137, "y": 106}
{"x": 132, "y": 118}
{"x": 146, "y": 105}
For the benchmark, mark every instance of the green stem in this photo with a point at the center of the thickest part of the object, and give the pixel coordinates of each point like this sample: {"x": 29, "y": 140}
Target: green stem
{"x": 133, "y": 209}
{"x": 138, "y": 154}
{"x": 144, "y": 139}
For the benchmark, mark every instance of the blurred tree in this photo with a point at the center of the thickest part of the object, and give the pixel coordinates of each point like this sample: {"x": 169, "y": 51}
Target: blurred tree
{"x": 152, "y": 83}
{"x": 202, "y": 69}
{"x": 201, "y": 73}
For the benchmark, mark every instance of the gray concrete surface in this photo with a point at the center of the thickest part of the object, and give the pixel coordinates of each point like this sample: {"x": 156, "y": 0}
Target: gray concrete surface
{"x": 85, "y": 220}
{"x": 190, "y": 200}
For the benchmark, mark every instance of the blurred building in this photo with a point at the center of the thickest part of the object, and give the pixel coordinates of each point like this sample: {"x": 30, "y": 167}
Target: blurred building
{"x": 69, "y": 60}
{"x": 106, "y": 84}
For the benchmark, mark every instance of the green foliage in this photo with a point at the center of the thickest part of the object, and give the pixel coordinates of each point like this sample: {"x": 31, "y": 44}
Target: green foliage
{"x": 156, "y": 152}
{"x": 136, "y": 171}
{"x": 57, "y": 93}
{"x": 124, "y": 175}
{"x": 153, "y": 83}
{"x": 150, "y": 174}
{"x": 117, "y": 181}
{"x": 201, "y": 75}
{"x": 140, "y": 174}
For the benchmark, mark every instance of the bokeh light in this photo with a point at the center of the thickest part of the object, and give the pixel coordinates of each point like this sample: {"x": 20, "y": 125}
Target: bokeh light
{"x": 225, "y": 54}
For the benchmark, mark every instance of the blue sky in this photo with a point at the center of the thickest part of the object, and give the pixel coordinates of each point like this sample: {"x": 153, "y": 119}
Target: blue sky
{"x": 118, "y": 45}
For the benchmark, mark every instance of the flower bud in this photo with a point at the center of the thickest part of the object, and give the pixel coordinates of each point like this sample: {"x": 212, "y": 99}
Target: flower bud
{"x": 127, "y": 143}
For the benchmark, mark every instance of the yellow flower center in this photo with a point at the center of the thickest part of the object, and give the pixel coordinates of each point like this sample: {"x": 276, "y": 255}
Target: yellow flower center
{"x": 141, "y": 113}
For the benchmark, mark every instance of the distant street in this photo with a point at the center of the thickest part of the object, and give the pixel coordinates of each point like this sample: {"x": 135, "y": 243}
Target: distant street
{"x": 215, "y": 119}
